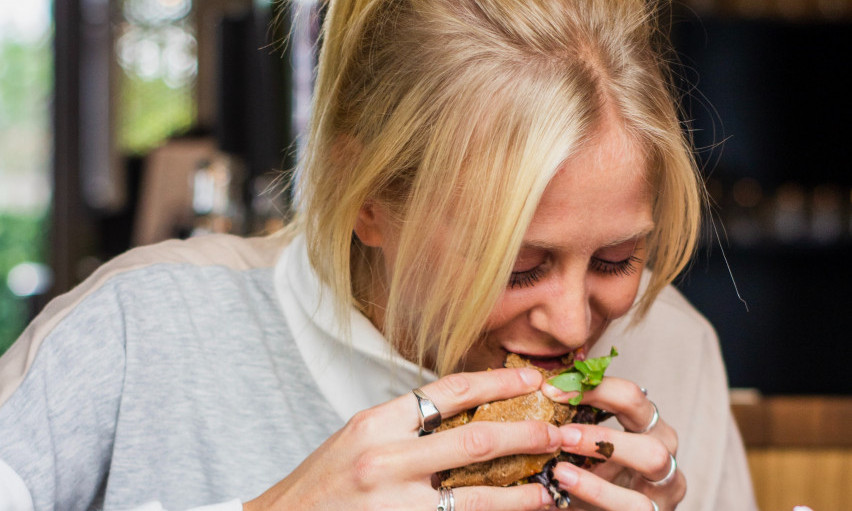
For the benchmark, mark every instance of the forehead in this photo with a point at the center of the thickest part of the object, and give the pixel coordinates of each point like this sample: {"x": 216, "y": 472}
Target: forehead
{"x": 599, "y": 196}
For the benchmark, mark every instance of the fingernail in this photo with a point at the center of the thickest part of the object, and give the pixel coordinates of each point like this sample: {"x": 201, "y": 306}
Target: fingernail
{"x": 566, "y": 475}
{"x": 556, "y": 394}
{"x": 555, "y": 438}
{"x": 549, "y": 390}
{"x": 570, "y": 436}
{"x": 531, "y": 377}
{"x": 546, "y": 499}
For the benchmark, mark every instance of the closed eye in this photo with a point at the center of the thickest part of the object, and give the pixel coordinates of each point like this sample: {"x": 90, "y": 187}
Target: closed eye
{"x": 526, "y": 278}
{"x": 623, "y": 268}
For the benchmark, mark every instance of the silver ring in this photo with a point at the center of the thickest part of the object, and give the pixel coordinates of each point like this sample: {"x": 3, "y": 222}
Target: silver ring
{"x": 430, "y": 417}
{"x": 653, "y": 422}
{"x": 644, "y": 391}
{"x": 446, "y": 500}
{"x": 656, "y": 507}
{"x": 672, "y": 471}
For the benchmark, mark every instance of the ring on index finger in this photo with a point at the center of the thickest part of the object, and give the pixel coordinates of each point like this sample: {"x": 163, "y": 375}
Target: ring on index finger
{"x": 430, "y": 417}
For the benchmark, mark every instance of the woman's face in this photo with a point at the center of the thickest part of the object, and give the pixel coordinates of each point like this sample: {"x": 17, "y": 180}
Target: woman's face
{"x": 581, "y": 259}
{"x": 580, "y": 262}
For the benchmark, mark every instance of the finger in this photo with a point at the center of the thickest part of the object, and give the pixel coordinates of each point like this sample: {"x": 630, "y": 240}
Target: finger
{"x": 522, "y": 498}
{"x": 645, "y": 454}
{"x": 633, "y": 410}
{"x": 621, "y": 397}
{"x": 592, "y": 489}
{"x": 458, "y": 392}
{"x": 625, "y": 399}
{"x": 672, "y": 492}
{"x": 413, "y": 458}
{"x": 481, "y": 441}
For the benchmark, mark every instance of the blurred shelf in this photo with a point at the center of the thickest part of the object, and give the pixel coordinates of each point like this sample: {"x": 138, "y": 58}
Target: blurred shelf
{"x": 795, "y": 421}
{"x": 780, "y": 251}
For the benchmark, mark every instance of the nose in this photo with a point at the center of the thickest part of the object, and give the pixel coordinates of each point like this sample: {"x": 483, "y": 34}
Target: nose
{"x": 565, "y": 313}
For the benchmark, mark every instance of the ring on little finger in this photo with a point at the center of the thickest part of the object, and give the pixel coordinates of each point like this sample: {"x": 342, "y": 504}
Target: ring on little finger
{"x": 653, "y": 422}
{"x": 446, "y": 499}
{"x": 656, "y": 507}
{"x": 430, "y": 417}
{"x": 669, "y": 476}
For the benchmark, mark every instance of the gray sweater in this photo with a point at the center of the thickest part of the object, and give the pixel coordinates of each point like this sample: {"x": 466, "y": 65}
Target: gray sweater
{"x": 175, "y": 382}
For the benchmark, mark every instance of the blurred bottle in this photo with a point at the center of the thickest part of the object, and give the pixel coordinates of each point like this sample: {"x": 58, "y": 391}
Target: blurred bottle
{"x": 789, "y": 215}
{"x": 826, "y": 224}
{"x": 744, "y": 224}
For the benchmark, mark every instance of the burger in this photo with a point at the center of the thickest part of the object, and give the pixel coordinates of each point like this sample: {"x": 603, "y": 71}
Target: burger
{"x": 576, "y": 375}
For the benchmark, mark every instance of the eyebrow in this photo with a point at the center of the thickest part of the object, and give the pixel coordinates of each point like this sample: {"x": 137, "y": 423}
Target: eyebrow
{"x": 639, "y": 234}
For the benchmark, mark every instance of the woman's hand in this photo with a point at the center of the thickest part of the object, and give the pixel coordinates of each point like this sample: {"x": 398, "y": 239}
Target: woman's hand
{"x": 377, "y": 461}
{"x": 623, "y": 482}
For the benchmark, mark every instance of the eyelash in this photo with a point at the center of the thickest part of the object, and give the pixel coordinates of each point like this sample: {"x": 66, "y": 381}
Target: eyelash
{"x": 623, "y": 268}
{"x": 526, "y": 278}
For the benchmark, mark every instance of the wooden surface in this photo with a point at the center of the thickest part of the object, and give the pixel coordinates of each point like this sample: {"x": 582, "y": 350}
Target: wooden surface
{"x": 815, "y": 477}
{"x": 795, "y": 421}
{"x": 799, "y": 450}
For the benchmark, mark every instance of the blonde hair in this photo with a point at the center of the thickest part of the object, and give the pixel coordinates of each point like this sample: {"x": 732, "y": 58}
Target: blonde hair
{"x": 455, "y": 115}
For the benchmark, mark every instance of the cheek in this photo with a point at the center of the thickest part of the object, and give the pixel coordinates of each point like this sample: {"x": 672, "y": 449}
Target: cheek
{"x": 612, "y": 297}
{"x": 508, "y": 307}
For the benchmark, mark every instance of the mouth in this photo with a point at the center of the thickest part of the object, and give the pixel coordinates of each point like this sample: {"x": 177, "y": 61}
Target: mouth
{"x": 553, "y": 362}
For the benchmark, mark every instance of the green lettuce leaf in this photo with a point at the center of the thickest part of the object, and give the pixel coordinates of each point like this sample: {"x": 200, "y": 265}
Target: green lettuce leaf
{"x": 585, "y": 375}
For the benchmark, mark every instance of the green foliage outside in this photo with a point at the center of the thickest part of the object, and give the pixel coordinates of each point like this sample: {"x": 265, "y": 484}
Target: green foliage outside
{"x": 26, "y": 86}
{"x": 151, "y": 111}
{"x": 26, "y": 75}
{"x": 23, "y": 238}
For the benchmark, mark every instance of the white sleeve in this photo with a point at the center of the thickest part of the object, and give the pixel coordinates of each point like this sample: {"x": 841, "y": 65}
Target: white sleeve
{"x": 14, "y": 495}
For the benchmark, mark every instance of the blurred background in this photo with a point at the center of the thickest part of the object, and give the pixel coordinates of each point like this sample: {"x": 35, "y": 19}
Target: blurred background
{"x": 126, "y": 122}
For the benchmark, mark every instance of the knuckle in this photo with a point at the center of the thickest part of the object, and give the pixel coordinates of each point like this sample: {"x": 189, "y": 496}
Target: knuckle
{"x": 477, "y": 442}
{"x": 362, "y": 422}
{"x": 456, "y": 386}
{"x": 659, "y": 457}
{"x": 368, "y": 469}
{"x": 635, "y": 396}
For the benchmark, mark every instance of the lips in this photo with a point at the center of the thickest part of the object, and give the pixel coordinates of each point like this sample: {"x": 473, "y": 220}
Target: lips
{"x": 552, "y": 362}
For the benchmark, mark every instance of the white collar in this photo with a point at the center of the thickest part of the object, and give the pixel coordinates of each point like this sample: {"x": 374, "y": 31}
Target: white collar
{"x": 354, "y": 375}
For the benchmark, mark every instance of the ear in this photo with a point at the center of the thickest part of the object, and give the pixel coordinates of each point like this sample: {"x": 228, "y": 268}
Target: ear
{"x": 370, "y": 225}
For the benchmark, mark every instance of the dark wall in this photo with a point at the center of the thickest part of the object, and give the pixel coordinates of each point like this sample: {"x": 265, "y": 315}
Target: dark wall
{"x": 776, "y": 95}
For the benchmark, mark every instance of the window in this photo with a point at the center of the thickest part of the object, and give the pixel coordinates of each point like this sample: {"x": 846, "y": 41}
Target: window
{"x": 26, "y": 89}
{"x": 155, "y": 46}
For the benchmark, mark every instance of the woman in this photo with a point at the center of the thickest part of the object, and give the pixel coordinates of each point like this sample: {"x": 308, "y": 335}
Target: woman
{"x": 482, "y": 178}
